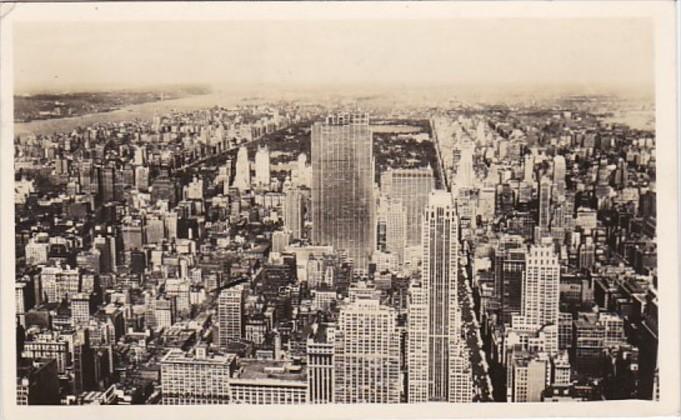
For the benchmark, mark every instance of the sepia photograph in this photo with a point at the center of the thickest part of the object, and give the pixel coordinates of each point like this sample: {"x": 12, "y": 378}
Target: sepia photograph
{"x": 304, "y": 206}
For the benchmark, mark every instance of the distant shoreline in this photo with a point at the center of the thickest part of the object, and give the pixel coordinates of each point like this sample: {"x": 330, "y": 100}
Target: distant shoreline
{"x": 143, "y": 111}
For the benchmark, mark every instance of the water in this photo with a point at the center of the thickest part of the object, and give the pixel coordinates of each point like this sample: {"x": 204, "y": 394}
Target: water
{"x": 144, "y": 111}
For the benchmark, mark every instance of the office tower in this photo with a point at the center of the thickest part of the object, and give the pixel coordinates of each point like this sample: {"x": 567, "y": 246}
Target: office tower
{"x": 262, "y": 167}
{"x": 412, "y": 187}
{"x": 293, "y": 212}
{"x": 320, "y": 363}
{"x": 194, "y": 191}
{"x": 541, "y": 288}
{"x": 529, "y": 169}
{"x": 132, "y": 235}
{"x": 229, "y": 316}
{"x": 106, "y": 245}
{"x": 559, "y": 168}
{"x": 106, "y": 183}
{"x": 196, "y": 379}
{"x": 417, "y": 343}
{"x": 165, "y": 311}
{"x": 37, "y": 382}
{"x": 80, "y": 309}
{"x": 367, "y": 352}
{"x": 544, "y": 203}
{"x": 509, "y": 270}
{"x": 142, "y": 178}
{"x": 393, "y": 213}
{"x": 163, "y": 188}
{"x": 343, "y": 203}
{"x": 279, "y": 241}
{"x": 242, "y": 174}
{"x": 140, "y": 154}
{"x": 224, "y": 176}
{"x": 154, "y": 230}
{"x": 440, "y": 277}
{"x": 527, "y": 377}
{"x": 587, "y": 253}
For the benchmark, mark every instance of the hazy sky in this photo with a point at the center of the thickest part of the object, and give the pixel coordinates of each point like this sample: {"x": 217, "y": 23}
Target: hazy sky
{"x": 614, "y": 52}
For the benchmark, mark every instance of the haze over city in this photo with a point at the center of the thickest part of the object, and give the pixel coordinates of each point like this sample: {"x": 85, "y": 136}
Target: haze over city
{"x": 582, "y": 55}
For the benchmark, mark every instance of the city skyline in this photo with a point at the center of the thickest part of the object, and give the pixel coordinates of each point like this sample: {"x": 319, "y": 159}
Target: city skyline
{"x": 382, "y": 208}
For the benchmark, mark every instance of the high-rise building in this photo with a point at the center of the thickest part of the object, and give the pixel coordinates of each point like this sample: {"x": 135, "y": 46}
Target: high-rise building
{"x": 367, "y": 352}
{"x": 142, "y": 178}
{"x": 527, "y": 377}
{"x": 196, "y": 379}
{"x": 544, "y": 203}
{"x": 440, "y": 278}
{"x": 229, "y": 316}
{"x": 106, "y": 183}
{"x": 395, "y": 227}
{"x": 529, "y": 169}
{"x": 417, "y": 344}
{"x": 541, "y": 287}
{"x": 509, "y": 271}
{"x": 262, "y": 167}
{"x": 412, "y": 187}
{"x": 80, "y": 309}
{"x": 242, "y": 174}
{"x": 320, "y": 364}
{"x": 343, "y": 203}
{"x": 293, "y": 212}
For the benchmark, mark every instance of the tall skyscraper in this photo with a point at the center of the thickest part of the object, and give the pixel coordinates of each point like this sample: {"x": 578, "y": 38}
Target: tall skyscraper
{"x": 509, "y": 271}
{"x": 417, "y": 344}
{"x": 262, "y": 167}
{"x": 544, "y": 203}
{"x": 367, "y": 365}
{"x": 242, "y": 174}
{"x": 529, "y": 169}
{"x": 412, "y": 187}
{"x": 106, "y": 183}
{"x": 293, "y": 212}
{"x": 320, "y": 364}
{"x": 395, "y": 228}
{"x": 343, "y": 203}
{"x": 541, "y": 287}
{"x": 440, "y": 277}
{"x": 559, "y": 168}
{"x": 229, "y": 316}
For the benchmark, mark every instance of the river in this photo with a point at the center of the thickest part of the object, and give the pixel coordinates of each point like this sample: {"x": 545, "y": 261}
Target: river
{"x": 145, "y": 111}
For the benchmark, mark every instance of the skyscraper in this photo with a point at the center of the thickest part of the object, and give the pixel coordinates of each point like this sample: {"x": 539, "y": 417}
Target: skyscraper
{"x": 541, "y": 287}
{"x": 544, "y": 203}
{"x": 320, "y": 363}
{"x": 559, "y": 168}
{"x": 440, "y": 277}
{"x": 230, "y": 312}
{"x": 417, "y": 344}
{"x": 395, "y": 228}
{"x": 343, "y": 186}
{"x": 262, "y": 167}
{"x": 367, "y": 365}
{"x": 293, "y": 212}
{"x": 529, "y": 169}
{"x": 242, "y": 175}
{"x": 412, "y": 187}
{"x": 509, "y": 271}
